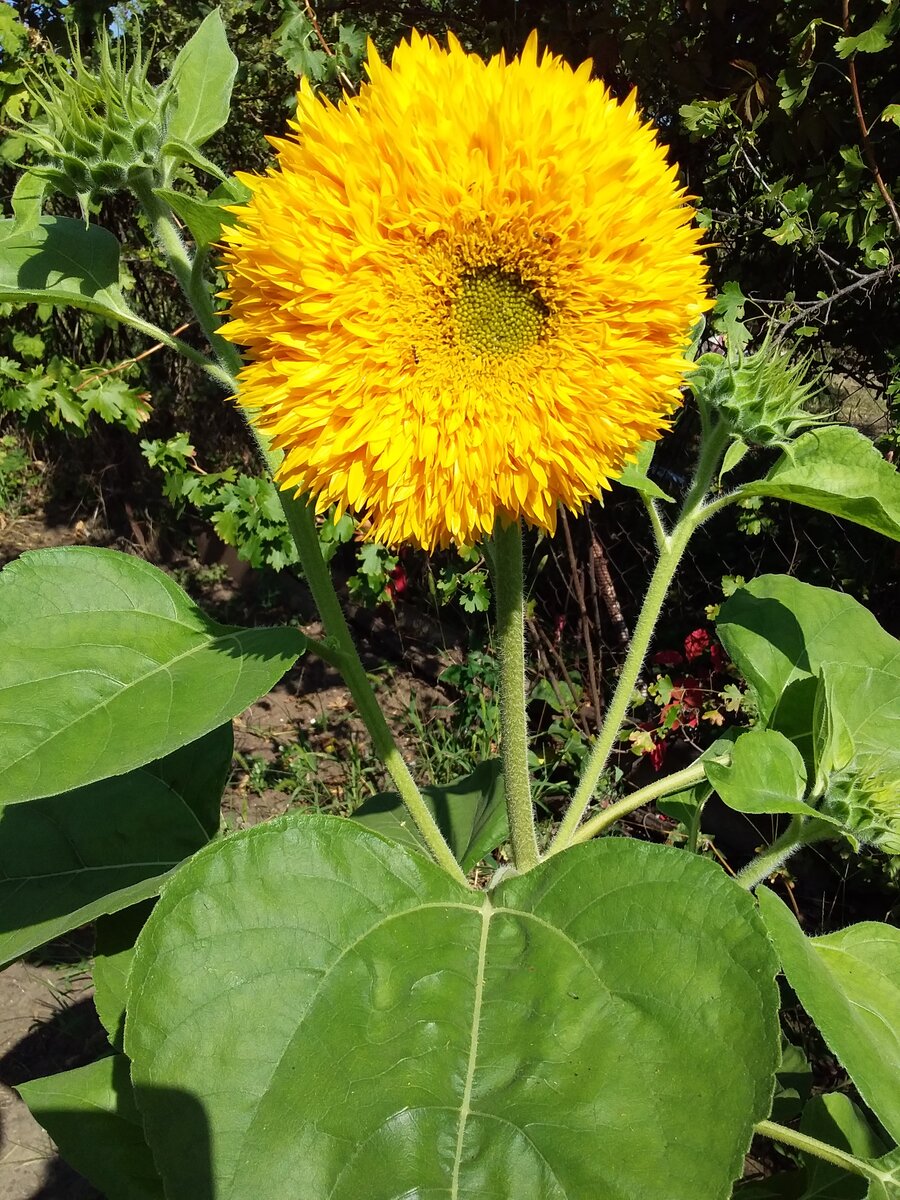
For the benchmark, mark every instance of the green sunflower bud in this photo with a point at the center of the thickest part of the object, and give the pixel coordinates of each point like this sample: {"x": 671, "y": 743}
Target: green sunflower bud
{"x": 762, "y": 397}
{"x": 98, "y": 126}
{"x": 865, "y": 798}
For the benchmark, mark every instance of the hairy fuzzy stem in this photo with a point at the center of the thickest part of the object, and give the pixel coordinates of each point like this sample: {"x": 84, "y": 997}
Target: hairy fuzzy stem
{"x": 693, "y": 514}
{"x": 811, "y": 1145}
{"x": 773, "y": 856}
{"x": 653, "y": 791}
{"x": 509, "y": 595}
{"x": 300, "y": 518}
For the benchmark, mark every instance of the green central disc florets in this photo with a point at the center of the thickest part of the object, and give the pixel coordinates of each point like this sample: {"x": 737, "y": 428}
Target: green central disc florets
{"x": 497, "y": 312}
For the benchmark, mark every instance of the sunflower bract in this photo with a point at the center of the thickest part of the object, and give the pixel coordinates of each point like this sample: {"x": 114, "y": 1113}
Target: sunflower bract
{"x": 464, "y": 293}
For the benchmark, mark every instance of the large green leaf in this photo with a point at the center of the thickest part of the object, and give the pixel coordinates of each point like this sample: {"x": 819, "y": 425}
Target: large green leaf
{"x": 106, "y": 664}
{"x": 354, "y": 1023}
{"x": 59, "y": 260}
{"x": 836, "y": 470}
{"x": 471, "y": 814}
{"x": 91, "y": 1115}
{"x": 203, "y": 74}
{"x": 849, "y": 983}
{"x": 780, "y": 631}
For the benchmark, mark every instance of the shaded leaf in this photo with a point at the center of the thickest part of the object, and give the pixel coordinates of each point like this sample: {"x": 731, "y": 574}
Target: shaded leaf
{"x": 471, "y": 814}
{"x": 91, "y": 1115}
{"x": 849, "y": 983}
{"x": 114, "y": 942}
{"x": 59, "y": 260}
{"x": 67, "y": 859}
{"x": 779, "y": 632}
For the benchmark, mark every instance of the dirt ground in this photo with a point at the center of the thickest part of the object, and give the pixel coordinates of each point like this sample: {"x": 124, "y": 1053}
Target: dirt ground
{"x": 47, "y": 1024}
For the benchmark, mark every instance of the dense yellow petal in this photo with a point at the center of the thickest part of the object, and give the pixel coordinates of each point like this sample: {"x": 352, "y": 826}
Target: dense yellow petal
{"x": 463, "y": 293}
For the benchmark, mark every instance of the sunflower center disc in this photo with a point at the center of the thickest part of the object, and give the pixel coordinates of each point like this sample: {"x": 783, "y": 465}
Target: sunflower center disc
{"x": 497, "y": 312}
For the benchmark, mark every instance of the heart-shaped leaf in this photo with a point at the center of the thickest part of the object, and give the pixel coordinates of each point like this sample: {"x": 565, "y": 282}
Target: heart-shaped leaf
{"x": 106, "y": 664}
{"x": 60, "y": 260}
{"x": 849, "y": 983}
{"x": 471, "y": 814}
{"x": 604, "y": 1023}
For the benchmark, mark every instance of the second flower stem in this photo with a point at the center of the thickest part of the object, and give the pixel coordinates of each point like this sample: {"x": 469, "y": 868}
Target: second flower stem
{"x": 509, "y": 594}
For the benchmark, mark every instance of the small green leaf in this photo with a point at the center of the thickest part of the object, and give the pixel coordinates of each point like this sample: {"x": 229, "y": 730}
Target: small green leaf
{"x": 114, "y": 942}
{"x": 91, "y": 1115}
{"x": 766, "y": 775}
{"x": 635, "y": 475}
{"x": 874, "y": 39}
{"x": 106, "y": 664}
{"x": 471, "y": 814}
{"x": 203, "y": 75}
{"x": 733, "y": 455}
{"x": 837, "y": 470}
{"x": 204, "y": 218}
{"x": 602, "y": 1023}
{"x": 891, "y": 113}
{"x": 849, "y": 983}
{"x": 27, "y": 201}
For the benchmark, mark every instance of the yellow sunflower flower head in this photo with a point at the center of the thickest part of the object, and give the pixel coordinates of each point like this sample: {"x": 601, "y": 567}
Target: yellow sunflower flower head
{"x": 464, "y": 293}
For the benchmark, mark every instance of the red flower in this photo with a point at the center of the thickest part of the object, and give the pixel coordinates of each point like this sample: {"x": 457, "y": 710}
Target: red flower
{"x": 717, "y": 654}
{"x": 668, "y": 658}
{"x": 658, "y": 754}
{"x": 398, "y": 581}
{"x": 696, "y": 643}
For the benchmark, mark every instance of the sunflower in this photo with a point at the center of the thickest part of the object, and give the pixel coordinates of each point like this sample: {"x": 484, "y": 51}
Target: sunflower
{"x": 464, "y": 293}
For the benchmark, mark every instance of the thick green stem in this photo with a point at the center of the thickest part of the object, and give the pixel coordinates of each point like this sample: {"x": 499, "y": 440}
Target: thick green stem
{"x": 773, "y": 856}
{"x": 811, "y": 1145}
{"x": 510, "y": 600}
{"x": 302, "y": 524}
{"x": 676, "y": 782}
{"x": 692, "y": 515}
